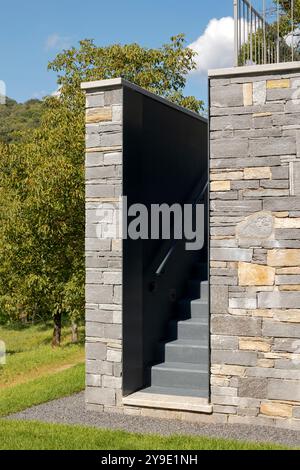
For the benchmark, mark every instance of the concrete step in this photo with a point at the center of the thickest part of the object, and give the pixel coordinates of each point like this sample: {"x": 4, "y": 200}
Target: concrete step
{"x": 191, "y": 392}
{"x": 186, "y": 351}
{"x": 180, "y": 375}
{"x": 192, "y": 329}
{"x": 193, "y": 308}
{"x": 198, "y": 289}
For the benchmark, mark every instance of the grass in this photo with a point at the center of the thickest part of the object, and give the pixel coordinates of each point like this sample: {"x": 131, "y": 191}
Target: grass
{"x": 35, "y": 372}
{"x": 20, "y": 435}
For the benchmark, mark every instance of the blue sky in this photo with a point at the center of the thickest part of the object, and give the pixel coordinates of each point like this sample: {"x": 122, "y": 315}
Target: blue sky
{"x": 32, "y": 32}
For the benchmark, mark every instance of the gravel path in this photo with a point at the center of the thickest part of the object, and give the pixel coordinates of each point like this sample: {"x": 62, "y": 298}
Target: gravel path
{"x": 71, "y": 410}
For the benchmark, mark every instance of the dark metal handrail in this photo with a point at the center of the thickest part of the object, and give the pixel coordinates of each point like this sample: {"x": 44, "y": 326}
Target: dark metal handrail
{"x": 161, "y": 260}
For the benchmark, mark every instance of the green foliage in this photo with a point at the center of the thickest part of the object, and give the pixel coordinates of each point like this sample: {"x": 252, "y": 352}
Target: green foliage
{"x": 18, "y": 117}
{"x": 22, "y": 435}
{"x": 42, "y": 178}
{"x": 162, "y": 71}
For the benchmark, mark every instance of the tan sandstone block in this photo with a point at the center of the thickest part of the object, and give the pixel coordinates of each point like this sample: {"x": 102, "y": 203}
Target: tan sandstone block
{"x": 284, "y": 258}
{"x": 287, "y": 222}
{"x": 280, "y": 410}
{"x": 265, "y": 313}
{"x": 281, "y": 83}
{"x": 220, "y": 186}
{"x": 290, "y": 315}
{"x": 258, "y": 115}
{"x": 257, "y": 173}
{"x": 230, "y": 175}
{"x": 98, "y": 115}
{"x": 248, "y": 94}
{"x": 293, "y": 287}
{"x": 292, "y": 270}
{"x": 254, "y": 344}
{"x": 266, "y": 363}
{"x": 280, "y": 214}
{"x": 255, "y": 275}
{"x": 218, "y": 264}
{"x": 222, "y": 369}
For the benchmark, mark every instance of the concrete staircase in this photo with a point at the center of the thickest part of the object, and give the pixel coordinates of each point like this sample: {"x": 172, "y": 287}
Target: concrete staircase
{"x": 184, "y": 370}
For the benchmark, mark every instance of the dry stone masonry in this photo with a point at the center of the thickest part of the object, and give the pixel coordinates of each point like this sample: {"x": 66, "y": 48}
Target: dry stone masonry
{"x": 103, "y": 255}
{"x": 255, "y": 245}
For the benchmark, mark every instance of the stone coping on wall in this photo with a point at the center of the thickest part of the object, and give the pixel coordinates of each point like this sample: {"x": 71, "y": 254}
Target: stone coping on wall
{"x": 110, "y": 83}
{"x": 250, "y": 70}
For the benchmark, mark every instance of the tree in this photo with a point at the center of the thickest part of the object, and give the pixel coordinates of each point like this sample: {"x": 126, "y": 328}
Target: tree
{"x": 17, "y": 117}
{"x": 42, "y": 179}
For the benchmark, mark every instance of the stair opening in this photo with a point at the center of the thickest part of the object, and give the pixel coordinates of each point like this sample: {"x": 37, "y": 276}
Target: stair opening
{"x": 165, "y": 286}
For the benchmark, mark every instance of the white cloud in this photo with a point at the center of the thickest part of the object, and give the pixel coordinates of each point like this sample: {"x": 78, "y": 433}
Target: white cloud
{"x": 57, "y": 42}
{"x": 215, "y": 47}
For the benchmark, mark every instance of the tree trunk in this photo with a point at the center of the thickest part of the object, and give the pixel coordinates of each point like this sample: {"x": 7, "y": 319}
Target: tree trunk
{"x": 57, "y": 330}
{"x": 74, "y": 329}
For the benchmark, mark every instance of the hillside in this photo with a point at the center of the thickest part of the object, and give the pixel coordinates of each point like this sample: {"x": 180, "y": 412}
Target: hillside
{"x": 15, "y": 117}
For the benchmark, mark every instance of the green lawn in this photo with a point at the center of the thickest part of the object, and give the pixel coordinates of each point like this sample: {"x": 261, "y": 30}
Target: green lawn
{"x": 20, "y": 435}
{"x": 35, "y": 372}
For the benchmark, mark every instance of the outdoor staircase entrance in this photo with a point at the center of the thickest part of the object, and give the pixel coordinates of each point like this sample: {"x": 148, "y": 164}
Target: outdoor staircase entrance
{"x": 184, "y": 353}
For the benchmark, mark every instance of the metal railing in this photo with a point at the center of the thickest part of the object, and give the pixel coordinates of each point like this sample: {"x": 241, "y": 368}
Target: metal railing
{"x": 266, "y": 37}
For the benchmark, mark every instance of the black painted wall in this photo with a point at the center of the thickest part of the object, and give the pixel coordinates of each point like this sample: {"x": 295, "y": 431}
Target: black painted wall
{"x": 164, "y": 159}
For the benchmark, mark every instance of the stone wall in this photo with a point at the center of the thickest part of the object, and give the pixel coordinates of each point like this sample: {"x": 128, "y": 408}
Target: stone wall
{"x": 103, "y": 255}
{"x": 255, "y": 246}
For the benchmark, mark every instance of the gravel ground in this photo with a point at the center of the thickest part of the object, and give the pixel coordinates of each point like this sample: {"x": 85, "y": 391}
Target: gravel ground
{"x": 71, "y": 410}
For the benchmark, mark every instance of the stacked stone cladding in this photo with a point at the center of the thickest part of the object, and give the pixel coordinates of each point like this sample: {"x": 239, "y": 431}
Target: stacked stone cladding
{"x": 255, "y": 247}
{"x": 103, "y": 254}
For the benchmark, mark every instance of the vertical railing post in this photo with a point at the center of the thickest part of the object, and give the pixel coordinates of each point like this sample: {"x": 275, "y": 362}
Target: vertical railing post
{"x": 265, "y": 35}
{"x": 236, "y": 32}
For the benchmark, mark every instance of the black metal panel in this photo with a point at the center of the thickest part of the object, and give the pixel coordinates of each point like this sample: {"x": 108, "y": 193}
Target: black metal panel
{"x": 164, "y": 158}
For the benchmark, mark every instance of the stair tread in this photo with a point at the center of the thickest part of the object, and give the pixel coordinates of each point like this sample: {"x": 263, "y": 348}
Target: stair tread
{"x": 190, "y": 392}
{"x": 191, "y": 321}
{"x": 181, "y": 366}
{"x": 200, "y": 300}
{"x": 190, "y": 343}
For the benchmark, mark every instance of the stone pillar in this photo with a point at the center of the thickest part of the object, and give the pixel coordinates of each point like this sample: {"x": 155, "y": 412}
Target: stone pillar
{"x": 103, "y": 255}
{"x": 255, "y": 244}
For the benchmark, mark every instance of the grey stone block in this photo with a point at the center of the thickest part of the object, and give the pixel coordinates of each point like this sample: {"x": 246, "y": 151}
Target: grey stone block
{"x": 229, "y": 148}
{"x": 236, "y": 206}
{"x": 235, "y": 326}
{"x": 100, "y": 172}
{"x": 95, "y": 350}
{"x": 247, "y": 162}
{"x": 96, "y": 244}
{"x": 113, "y": 331}
{"x": 93, "y": 380}
{"x": 296, "y": 412}
{"x": 253, "y": 387}
{"x": 219, "y": 299}
{"x": 243, "y": 303}
{"x": 284, "y": 390}
{"x": 229, "y": 96}
{"x": 94, "y": 100}
{"x": 231, "y": 254}
{"x": 278, "y": 94}
{"x": 113, "y": 97}
{"x": 287, "y": 279}
{"x": 280, "y": 172}
{"x": 99, "y": 316}
{"x": 241, "y": 358}
{"x": 230, "y": 122}
{"x": 287, "y": 234}
{"x": 278, "y": 300}
{"x": 295, "y": 178}
{"x": 223, "y": 281}
{"x": 100, "y": 190}
{"x": 220, "y": 342}
{"x": 100, "y": 396}
{"x": 280, "y": 329}
{"x": 286, "y": 345}
{"x": 281, "y": 204}
{"x": 98, "y": 367}
{"x": 93, "y": 159}
{"x": 286, "y": 119}
{"x": 99, "y": 294}
{"x": 272, "y": 146}
{"x": 275, "y": 184}
{"x": 94, "y": 329}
